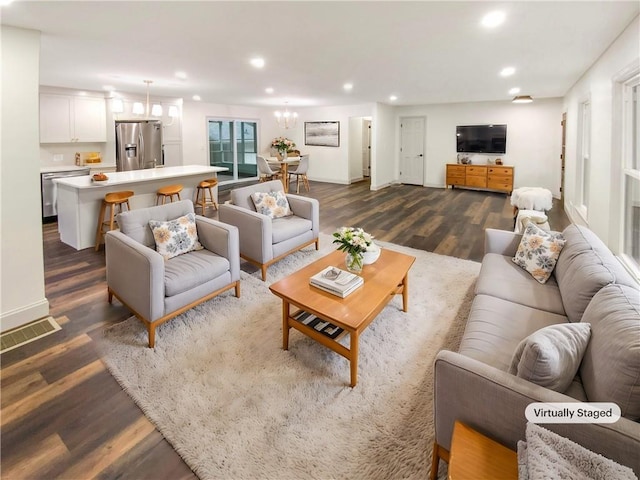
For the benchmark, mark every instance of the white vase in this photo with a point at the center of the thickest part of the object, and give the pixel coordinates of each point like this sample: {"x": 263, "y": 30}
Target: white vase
{"x": 370, "y": 256}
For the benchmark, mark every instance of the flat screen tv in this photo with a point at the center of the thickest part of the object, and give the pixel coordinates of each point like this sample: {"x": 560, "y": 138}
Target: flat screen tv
{"x": 481, "y": 138}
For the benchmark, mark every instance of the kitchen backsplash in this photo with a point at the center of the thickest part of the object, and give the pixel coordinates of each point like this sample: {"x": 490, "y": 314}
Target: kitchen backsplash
{"x": 63, "y": 154}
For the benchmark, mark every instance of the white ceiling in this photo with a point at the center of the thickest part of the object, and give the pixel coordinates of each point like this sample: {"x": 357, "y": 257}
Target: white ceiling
{"x": 423, "y": 52}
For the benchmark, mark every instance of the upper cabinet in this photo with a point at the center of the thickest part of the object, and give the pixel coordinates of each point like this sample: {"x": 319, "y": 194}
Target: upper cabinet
{"x": 71, "y": 119}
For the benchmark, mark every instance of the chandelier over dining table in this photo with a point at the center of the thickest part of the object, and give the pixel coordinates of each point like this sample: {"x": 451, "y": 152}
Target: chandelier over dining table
{"x": 286, "y": 119}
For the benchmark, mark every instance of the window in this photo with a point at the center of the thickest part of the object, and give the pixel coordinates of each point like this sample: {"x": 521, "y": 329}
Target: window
{"x": 584, "y": 158}
{"x": 631, "y": 174}
{"x": 233, "y": 144}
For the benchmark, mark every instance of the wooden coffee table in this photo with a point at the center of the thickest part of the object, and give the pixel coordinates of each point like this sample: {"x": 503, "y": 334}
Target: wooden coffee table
{"x": 382, "y": 280}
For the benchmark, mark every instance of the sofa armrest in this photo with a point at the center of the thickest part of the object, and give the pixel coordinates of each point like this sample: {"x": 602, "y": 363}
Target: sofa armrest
{"x": 222, "y": 239}
{"x": 308, "y": 208}
{"x": 255, "y": 231}
{"x": 502, "y": 242}
{"x": 135, "y": 273}
{"x": 493, "y": 402}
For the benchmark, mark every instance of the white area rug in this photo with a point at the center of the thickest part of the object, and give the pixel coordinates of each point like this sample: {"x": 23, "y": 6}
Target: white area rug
{"x": 236, "y": 406}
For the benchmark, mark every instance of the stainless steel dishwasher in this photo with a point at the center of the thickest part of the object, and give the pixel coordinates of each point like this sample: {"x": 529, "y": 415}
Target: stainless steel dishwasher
{"x": 49, "y": 209}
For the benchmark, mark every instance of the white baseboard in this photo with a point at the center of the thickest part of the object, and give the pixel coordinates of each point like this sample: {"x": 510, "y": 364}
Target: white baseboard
{"x": 25, "y": 314}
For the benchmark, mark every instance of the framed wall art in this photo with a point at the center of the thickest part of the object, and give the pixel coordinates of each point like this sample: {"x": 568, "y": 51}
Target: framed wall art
{"x": 322, "y": 134}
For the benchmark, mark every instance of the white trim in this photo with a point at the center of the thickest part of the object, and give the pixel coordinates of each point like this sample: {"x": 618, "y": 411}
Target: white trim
{"x": 25, "y": 314}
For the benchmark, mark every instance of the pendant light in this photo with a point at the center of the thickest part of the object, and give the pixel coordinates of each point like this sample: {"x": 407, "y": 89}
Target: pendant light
{"x": 286, "y": 119}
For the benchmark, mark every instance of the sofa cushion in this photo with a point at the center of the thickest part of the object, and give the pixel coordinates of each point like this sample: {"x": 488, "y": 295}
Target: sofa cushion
{"x": 135, "y": 223}
{"x": 175, "y": 237}
{"x": 188, "y": 271}
{"x": 585, "y": 266}
{"x": 271, "y": 204}
{"x": 495, "y": 328}
{"x": 610, "y": 368}
{"x": 500, "y": 277}
{"x": 538, "y": 251}
{"x": 289, "y": 227}
{"x": 241, "y": 197}
{"x": 551, "y": 356}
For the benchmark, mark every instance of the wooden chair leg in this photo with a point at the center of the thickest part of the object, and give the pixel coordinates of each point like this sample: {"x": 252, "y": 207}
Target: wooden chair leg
{"x": 213, "y": 199}
{"x": 109, "y": 295}
{"x": 238, "y": 289}
{"x": 435, "y": 461}
{"x": 112, "y": 215}
{"x": 264, "y": 272}
{"x": 151, "y": 328}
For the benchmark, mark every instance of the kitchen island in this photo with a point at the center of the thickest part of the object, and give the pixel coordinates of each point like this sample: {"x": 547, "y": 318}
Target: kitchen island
{"x": 79, "y": 198}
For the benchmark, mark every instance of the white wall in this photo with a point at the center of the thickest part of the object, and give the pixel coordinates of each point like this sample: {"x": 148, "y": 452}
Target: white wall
{"x": 604, "y": 212}
{"x": 330, "y": 164}
{"x": 534, "y": 137}
{"x": 22, "y": 296}
{"x": 384, "y": 146}
{"x": 355, "y": 148}
{"x": 326, "y": 164}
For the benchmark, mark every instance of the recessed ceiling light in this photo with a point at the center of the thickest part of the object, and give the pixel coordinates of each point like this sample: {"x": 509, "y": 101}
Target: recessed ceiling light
{"x": 181, "y": 75}
{"x": 348, "y": 86}
{"x": 269, "y": 90}
{"x": 108, "y": 88}
{"x": 257, "y": 62}
{"x": 493, "y": 19}
{"x": 507, "y": 71}
{"x": 514, "y": 91}
{"x": 196, "y": 98}
{"x": 393, "y": 98}
{"x": 4, "y": 3}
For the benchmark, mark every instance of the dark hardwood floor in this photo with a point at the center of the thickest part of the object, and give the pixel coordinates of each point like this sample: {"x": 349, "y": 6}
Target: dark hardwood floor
{"x": 64, "y": 416}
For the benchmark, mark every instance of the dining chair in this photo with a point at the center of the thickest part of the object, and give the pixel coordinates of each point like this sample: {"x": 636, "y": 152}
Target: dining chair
{"x": 265, "y": 171}
{"x": 301, "y": 172}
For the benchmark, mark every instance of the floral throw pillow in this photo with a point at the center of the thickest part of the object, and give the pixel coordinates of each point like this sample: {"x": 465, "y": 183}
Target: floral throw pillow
{"x": 538, "y": 251}
{"x": 175, "y": 237}
{"x": 272, "y": 204}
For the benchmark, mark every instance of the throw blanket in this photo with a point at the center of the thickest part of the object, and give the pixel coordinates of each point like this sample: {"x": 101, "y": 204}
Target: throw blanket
{"x": 525, "y": 216}
{"x": 532, "y": 198}
{"x": 546, "y": 454}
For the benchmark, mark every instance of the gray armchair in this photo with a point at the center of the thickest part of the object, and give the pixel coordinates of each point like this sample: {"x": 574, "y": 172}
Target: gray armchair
{"x": 264, "y": 241}
{"x": 156, "y": 290}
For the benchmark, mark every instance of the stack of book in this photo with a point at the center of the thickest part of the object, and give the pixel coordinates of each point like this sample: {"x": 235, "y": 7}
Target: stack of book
{"x": 336, "y": 281}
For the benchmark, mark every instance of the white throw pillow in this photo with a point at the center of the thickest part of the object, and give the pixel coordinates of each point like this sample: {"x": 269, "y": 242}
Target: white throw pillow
{"x": 175, "y": 237}
{"x": 272, "y": 204}
{"x": 538, "y": 251}
{"x": 551, "y": 356}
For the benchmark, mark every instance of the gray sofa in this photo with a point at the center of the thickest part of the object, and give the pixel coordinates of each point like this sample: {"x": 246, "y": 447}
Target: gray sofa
{"x": 588, "y": 284}
{"x": 157, "y": 290}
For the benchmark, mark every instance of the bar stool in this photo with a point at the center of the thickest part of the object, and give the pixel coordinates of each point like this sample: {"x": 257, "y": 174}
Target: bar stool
{"x": 112, "y": 200}
{"x": 202, "y": 199}
{"x": 168, "y": 192}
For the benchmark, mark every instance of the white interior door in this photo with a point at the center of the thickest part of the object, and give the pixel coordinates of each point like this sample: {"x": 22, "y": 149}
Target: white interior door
{"x": 412, "y": 135}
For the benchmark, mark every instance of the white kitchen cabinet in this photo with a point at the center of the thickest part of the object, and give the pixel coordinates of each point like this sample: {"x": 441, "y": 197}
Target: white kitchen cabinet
{"x": 172, "y": 154}
{"x": 72, "y": 119}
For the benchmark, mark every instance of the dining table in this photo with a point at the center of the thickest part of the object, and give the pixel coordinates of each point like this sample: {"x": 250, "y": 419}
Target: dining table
{"x": 284, "y": 163}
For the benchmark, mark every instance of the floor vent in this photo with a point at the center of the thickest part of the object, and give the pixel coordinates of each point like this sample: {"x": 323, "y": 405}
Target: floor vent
{"x": 28, "y": 333}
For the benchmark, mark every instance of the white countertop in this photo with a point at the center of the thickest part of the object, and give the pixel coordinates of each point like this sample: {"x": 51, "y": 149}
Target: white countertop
{"x": 62, "y": 168}
{"x": 137, "y": 176}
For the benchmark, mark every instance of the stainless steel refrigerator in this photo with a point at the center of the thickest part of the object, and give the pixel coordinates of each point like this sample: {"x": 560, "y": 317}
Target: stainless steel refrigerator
{"x": 138, "y": 145}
